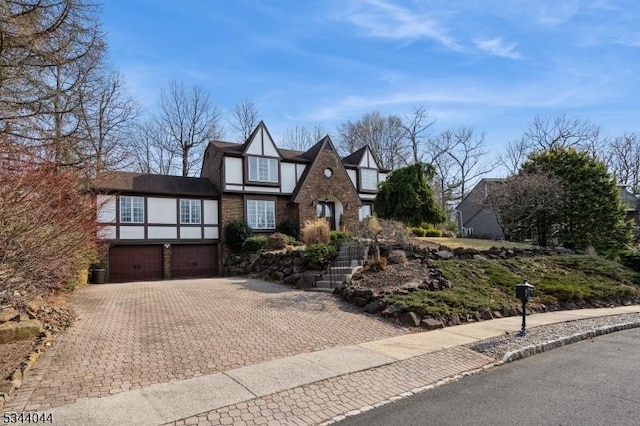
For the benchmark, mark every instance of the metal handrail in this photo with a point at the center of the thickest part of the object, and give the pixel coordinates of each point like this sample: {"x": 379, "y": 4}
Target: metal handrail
{"x": 349, "y": 253}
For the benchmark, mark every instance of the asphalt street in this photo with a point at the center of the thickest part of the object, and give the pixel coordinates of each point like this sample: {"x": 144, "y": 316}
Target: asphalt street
{"x": 594, "y": 382}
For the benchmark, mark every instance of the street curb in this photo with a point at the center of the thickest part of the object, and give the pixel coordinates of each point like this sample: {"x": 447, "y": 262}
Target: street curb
{"x": 414, "y": 391}
{"x": 508, "y": 357}
{"x": 553, "y": 344}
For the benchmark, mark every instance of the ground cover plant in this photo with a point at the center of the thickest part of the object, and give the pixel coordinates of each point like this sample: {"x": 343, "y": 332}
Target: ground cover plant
{"x": 479, "y": 284}
{"x": 476, "y": 243}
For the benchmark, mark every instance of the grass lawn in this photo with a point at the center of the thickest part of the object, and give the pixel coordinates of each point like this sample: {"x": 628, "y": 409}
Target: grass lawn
{"x": 475, "y": 243}
{"x": 491, "y": 283}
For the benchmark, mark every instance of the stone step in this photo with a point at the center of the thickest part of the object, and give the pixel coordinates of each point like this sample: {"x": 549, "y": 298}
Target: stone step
{"x": 341, "y": 270}
{"x": 337, "y": 278}
{"x": 320, "y": 290}
{"x": 324, "y": 284}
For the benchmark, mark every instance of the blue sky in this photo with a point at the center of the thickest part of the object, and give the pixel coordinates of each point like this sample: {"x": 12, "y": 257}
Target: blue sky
{"x": 488, "y": 64}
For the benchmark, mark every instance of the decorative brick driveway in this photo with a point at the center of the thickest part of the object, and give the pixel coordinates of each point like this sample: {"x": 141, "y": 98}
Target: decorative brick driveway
{"x": 136, "y": 334}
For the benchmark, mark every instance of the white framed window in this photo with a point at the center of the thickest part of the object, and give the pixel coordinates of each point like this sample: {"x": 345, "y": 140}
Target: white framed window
{"x": 190, "y": 211}
{"x": 261, "y": 214}
{"x": 263, "y": 169}
{"x": 369, "y": 179}
{"x": 364, "y": 211}
{"x": 131, "y": 209}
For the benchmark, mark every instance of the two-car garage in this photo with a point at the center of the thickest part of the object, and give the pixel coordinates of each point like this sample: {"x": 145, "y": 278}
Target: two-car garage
{"x": 148, "y": 262}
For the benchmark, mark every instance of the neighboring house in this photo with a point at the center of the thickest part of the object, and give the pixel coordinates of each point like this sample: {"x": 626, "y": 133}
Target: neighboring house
{"x": 162, "y": 227}
{"x": 474, "y": 218}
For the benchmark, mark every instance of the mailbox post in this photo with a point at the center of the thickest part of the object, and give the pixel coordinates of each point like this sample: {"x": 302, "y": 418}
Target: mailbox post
{"x": 524, "y": 292}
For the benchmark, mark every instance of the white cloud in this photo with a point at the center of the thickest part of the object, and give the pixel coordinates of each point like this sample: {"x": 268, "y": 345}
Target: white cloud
{"x": 552, "y": 92}
{"x": 497, "y": 47}
{"x": 554, "y": 12}
{"x": 383, "y": 19}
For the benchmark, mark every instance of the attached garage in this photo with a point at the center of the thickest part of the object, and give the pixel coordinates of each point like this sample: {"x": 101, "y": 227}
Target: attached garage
{"x": 135, "y": 263}
{"x": 194, "y": 260}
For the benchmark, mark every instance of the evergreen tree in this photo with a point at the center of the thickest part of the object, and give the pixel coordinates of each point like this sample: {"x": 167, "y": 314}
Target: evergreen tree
{"x": 590, "y": 213}
{"x": 407, "y": 196}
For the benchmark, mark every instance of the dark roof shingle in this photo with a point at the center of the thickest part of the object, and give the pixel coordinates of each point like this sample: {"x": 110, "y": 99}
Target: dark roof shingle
{"x": 142, "y": 183}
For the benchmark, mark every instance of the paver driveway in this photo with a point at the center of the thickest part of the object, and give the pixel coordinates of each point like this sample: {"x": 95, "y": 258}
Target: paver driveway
{"x": 136, "y": 334}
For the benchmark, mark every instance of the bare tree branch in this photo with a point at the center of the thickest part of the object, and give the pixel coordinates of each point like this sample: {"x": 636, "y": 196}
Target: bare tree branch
{"x": 416, "y": 125}
{"x": 562, "y": 132}
{"x": 300, "y": 138}
{"x": 190, "y": 121}
{"x": 244, "y": 118}
{"x": 107, "y": 117}
{"x": 516, "y": 152}
{"x": 624, "y": 160}
{"x": 384, "y": 135}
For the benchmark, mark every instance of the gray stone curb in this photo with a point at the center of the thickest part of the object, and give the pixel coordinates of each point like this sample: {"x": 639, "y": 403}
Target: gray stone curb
{"x": 412, "y": 392}
{"x": 553, "y": 344}
{"x": 508, "y": 357}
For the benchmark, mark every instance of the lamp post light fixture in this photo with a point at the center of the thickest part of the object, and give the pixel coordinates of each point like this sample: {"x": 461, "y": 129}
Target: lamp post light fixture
{"x": 524, "y": 292}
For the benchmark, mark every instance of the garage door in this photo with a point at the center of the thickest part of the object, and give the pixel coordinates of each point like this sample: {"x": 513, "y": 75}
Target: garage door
{"x": 135, "y": 263}
{"x": 194, "y": 260}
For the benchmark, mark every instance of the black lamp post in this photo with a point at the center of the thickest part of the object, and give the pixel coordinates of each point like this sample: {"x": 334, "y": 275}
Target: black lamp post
{"x": 524, "y": 292}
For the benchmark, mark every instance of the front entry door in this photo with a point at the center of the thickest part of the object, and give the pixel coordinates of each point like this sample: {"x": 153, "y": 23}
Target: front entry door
{"x": 326, "y": 209}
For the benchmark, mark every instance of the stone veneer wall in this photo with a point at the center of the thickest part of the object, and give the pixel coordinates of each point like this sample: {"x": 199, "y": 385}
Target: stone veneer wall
{"x": 318, "y": 186}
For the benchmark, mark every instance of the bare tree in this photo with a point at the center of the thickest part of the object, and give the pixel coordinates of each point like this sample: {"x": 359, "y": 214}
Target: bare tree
{"x": 514, "y": 154}
{"x": 152, "y": 150}
{"x": 384, "y": 135}
{"x": 244, "y": 118}
{"x": 416, "y": 125}
{"x": 525, "y": 205}
{"x": 624, "y": 160}
{"x": 190, "y": 120}
{"x": 107, "y": 117}
{"x": 562, "y": 132}
{"x": 459, "y": 155}
{"x": 301, "y": 138}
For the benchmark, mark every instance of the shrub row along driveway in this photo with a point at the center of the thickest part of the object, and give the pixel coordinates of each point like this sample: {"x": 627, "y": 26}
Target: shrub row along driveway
{"x": 133, "y": 335}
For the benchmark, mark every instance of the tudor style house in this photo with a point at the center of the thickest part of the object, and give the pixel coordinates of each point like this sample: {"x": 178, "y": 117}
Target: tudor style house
{"x": 163, "y": 227}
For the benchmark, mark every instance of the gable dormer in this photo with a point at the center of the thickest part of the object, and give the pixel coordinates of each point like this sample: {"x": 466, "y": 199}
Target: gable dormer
{"x": 261, "y": 158}
{"x": 364, "y": 171}
{"x": 368, "y": 178}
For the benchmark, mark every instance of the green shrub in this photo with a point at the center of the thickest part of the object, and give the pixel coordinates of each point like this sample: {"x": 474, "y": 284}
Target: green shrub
{"x": 630, "y": 259}
{"x": 432, "y": 233}
{"x": 277, "y": 241}
{"x": 315, "y": 231}
{"x": 320, "y": 254}
{"x": 288, "y": 227}
{"x": 255, "y": 244}
{"x": 235, "y": 233}
{"x": 419, "y": 232}
{"x": 338, "y": 237}
{"x": 291, "y": 241}
{"x": 430, "y": 230}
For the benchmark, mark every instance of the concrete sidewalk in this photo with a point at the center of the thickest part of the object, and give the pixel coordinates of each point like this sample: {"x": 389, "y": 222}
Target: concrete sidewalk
{"x": 264, "y": 393}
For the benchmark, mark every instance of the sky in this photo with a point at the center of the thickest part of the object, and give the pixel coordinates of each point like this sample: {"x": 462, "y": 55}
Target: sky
{"x": 491, "y": 65}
